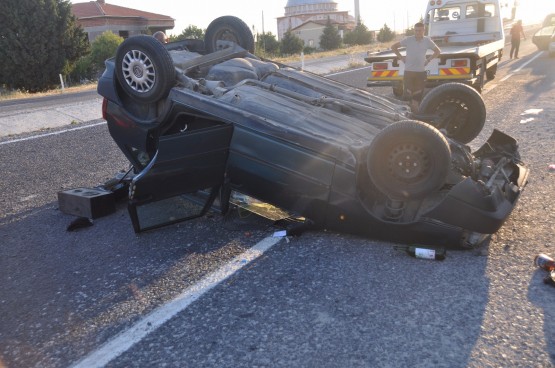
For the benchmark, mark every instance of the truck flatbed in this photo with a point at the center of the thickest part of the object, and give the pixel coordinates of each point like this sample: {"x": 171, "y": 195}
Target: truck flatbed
{"x": 447, "y": 51}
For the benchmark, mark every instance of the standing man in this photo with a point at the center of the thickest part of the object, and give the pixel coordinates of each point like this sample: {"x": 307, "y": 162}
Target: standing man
{"x": 516, "y": 31}
{"x": 415, "y": 61}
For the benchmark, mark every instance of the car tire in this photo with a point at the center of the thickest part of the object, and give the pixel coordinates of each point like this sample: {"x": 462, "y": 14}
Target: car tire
{"x": 228, "y": 28}
{"x": 459, "y": 111}
{"x": 408, "y": 160}
{"x": 144, "y": 69}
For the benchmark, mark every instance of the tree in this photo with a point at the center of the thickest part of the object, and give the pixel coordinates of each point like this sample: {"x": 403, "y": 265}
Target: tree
{"x": 266, "y": 43}
{"x": 191, "y": 32}
{"x": 330, "y": 38}
{"x": 291, "y": 44}
{"x": 410, "y": 31}
{"x": 359, "y": 36}
{"x": 39, "y": 39}
{"x": 91, "y": 66}
{"x": 385, "y": 34}
{"x": 102, "y": 48}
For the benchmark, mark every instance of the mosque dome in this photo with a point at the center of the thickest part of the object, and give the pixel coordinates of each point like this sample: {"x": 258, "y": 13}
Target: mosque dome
{"x": 295, "y": 7}
{"x": 306, "y": 2}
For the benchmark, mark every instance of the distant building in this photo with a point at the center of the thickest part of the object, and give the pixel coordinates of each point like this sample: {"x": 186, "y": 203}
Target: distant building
{"x": 95, "y": 17}
{"x": 308, "y": 18}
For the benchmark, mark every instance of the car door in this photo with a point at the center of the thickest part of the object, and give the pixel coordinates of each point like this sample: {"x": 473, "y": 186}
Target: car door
{"x": 186, "y": 172}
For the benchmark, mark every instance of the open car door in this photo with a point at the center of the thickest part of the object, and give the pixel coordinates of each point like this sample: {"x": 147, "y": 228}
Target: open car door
{"x": 184, "y": 176}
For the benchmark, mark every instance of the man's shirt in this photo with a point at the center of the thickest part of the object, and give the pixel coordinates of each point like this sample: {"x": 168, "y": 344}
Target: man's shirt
{"x": 416, "y": 52}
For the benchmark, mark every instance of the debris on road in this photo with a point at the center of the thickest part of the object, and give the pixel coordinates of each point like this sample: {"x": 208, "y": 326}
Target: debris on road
{"x": 544, "y": 262}
{"x": 423, "y": 252}
{"x": 87, "y": 202}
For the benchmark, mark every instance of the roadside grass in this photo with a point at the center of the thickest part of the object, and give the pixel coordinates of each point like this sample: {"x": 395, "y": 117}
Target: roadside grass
{"x": 15, "y": 95}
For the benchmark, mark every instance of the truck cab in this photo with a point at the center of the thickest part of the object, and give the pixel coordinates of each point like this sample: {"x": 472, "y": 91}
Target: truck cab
{"x": 456, "y": 22}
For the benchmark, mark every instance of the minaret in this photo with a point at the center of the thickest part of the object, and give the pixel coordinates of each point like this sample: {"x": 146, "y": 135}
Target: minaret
{"x": 357, "y": 13}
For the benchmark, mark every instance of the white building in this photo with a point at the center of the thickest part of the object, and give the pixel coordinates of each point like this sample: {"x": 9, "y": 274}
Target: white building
{"x": 307, "y": 19}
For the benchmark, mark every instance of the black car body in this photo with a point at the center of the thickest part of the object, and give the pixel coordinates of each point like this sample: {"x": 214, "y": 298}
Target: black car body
{"x": 219, "y": 121}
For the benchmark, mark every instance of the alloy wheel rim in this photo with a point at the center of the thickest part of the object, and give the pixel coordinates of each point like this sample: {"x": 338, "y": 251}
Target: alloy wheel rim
{"x": 138, "y": 71}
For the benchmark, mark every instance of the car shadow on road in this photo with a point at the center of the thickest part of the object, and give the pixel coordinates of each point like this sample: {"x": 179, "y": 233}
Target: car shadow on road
{"x": 331, "y": 300}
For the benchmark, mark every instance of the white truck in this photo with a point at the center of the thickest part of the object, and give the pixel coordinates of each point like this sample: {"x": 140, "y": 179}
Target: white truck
{"x": 471, "y": 38}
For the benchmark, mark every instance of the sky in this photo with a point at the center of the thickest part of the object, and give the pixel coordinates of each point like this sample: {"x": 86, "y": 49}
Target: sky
{"x": 261, "y": 14}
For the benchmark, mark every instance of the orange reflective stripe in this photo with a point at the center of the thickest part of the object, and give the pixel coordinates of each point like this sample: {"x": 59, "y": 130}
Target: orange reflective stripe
{"x": 454, "y": 71}
{"x": 385, "y": 73}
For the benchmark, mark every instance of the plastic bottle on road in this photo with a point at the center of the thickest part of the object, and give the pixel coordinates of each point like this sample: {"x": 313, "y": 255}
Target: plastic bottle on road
{"x": 422, "y": 252}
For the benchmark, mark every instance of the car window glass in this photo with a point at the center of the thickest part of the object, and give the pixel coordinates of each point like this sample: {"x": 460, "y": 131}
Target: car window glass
{"x": 447, "y": 13}
{"x": 475, "y": 11}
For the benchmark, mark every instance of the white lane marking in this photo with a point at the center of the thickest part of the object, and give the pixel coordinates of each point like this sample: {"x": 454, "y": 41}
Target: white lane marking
{"x": 520, "y": 67}
{"x": 530, "y": 112}
{"x": 525, "y": 121}
{"x": 126, "y": 339}
{"x": 52, "y": 133}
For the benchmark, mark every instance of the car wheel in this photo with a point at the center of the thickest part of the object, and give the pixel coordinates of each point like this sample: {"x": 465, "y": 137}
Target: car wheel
{"x": 228, "y": 28}
{"x": 408, "y": 160}
{"x": 457, "y": 109}
{"x": 144, "y": 68}
{"x": 490, "y": 72}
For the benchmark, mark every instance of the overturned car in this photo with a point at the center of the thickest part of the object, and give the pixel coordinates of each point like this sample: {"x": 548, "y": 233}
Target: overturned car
{"x": 207, "y": 120}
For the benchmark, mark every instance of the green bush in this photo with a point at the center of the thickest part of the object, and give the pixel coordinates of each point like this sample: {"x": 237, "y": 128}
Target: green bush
{"x": 82, "y": 70}
{"x": 291, "y": 44}
{"x": 359, "y": 36}
{"x": 267, "y": 44}
{"x": 386, "y": 34}
{"x": 102, "y": 48}
{"x": 330, "y": 38}
{"x": 191, "y": 32}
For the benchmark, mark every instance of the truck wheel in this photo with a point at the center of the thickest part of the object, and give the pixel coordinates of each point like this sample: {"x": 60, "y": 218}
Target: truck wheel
{"x": 490, "y": 72}
{"x": 144, "y": 68}
{"x": 228, "y": 28}
{"x": 458, "y": 111}
{"x": 408, "y": 160}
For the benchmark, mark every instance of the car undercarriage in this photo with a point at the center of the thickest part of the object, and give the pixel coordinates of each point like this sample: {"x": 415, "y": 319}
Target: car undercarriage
{"x": 202, "y": 122}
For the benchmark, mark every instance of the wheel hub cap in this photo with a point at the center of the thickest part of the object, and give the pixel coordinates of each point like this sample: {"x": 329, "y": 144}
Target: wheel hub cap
{"x": 138, "y": 71}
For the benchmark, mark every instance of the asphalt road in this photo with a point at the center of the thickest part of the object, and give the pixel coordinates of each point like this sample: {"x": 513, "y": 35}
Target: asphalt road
{"x": 319, "y": 300}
